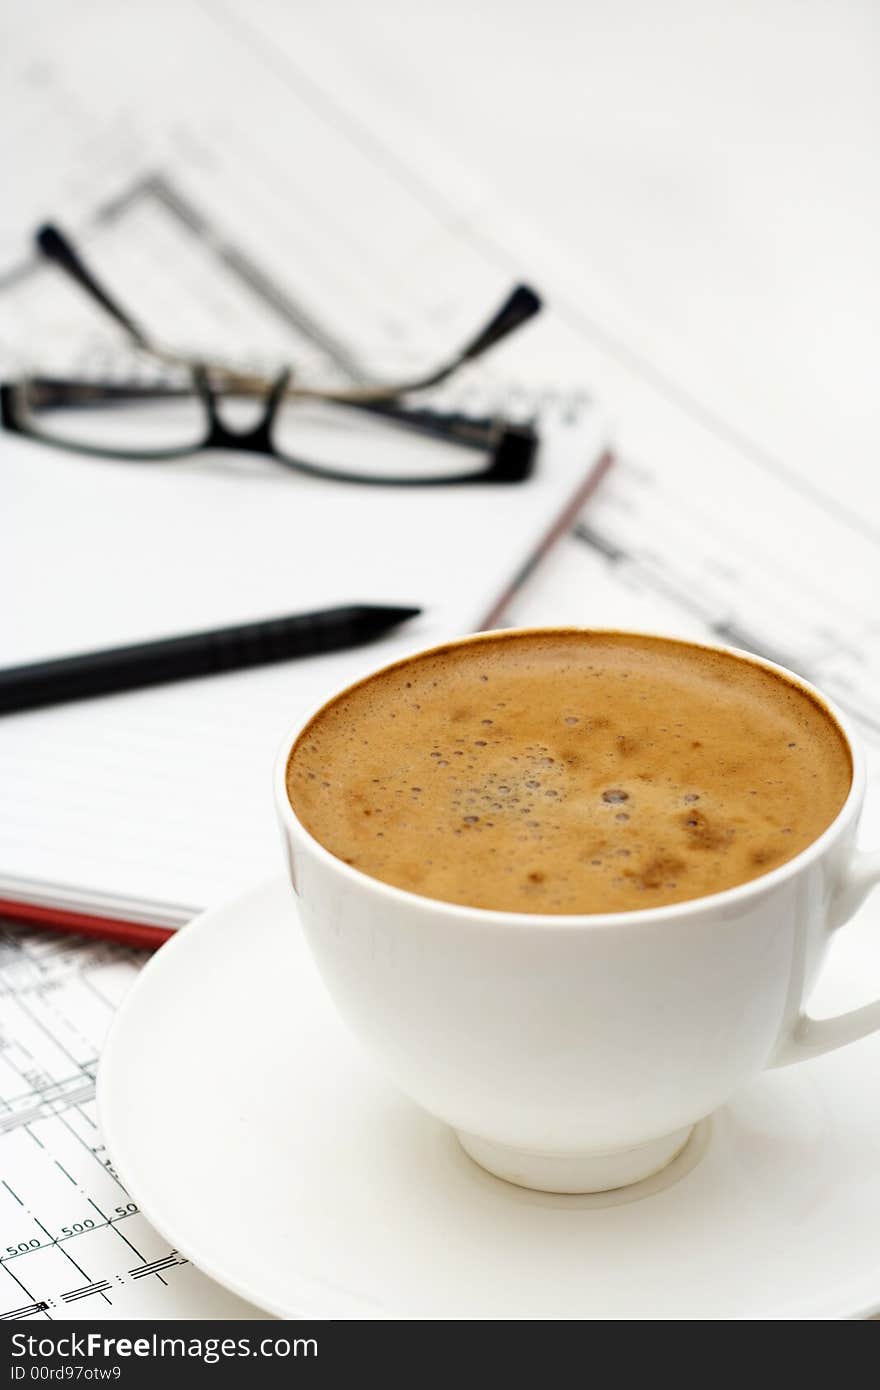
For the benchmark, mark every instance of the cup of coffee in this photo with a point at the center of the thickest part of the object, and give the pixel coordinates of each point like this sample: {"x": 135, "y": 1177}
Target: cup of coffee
{"x": 572, "y": 888}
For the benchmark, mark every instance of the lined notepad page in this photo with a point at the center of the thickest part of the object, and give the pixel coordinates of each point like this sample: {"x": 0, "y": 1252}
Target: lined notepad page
{"x": 153, "y": 803}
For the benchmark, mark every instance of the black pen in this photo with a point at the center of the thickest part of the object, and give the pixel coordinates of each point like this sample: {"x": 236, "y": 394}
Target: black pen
{"x": 195, "y": 654}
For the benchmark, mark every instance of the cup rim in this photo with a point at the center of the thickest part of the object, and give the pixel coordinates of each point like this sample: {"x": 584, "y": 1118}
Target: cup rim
{"x": 726, "y": 898}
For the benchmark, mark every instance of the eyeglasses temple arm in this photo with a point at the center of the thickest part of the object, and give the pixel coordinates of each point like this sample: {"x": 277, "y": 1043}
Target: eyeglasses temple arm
{"x": 57, "y": 248}
{"x": 520, "y": 305}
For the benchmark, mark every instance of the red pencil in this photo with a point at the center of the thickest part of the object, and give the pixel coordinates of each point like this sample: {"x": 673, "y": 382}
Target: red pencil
{"x": 108, "y": 928}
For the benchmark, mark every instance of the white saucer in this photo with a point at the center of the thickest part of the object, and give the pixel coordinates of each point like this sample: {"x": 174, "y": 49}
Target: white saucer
{"x": 256, "y": 1137}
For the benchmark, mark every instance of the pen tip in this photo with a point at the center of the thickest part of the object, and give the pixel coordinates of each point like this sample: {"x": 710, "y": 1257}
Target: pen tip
{"x": 372, "y": 619}
{"x": 400, "y": 615}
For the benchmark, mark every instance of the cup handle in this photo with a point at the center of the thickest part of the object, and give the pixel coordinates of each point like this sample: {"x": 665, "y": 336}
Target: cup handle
{"x": 809, "y": 1037}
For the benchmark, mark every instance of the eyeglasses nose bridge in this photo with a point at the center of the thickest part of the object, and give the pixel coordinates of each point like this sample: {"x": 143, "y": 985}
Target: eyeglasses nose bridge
{"x": 274, "y": 398}
{"x": 220, "y": 434}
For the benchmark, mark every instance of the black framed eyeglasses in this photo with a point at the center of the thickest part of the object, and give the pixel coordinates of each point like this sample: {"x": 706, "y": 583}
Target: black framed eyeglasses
{"x": 339, "y": 434}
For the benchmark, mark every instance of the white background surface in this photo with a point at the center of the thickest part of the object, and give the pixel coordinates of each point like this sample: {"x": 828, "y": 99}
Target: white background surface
{"x": 708, "y": 171}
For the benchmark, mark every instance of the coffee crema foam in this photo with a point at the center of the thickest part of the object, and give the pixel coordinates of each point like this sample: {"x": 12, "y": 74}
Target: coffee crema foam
{"x": 569, "y": 772}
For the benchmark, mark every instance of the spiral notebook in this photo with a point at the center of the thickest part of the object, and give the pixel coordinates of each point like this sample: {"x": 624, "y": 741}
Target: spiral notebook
{"x": 143, "y": 808}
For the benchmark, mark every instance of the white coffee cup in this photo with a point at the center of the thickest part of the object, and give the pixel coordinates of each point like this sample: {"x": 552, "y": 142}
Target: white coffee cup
{"x": 576, "y": 1053}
